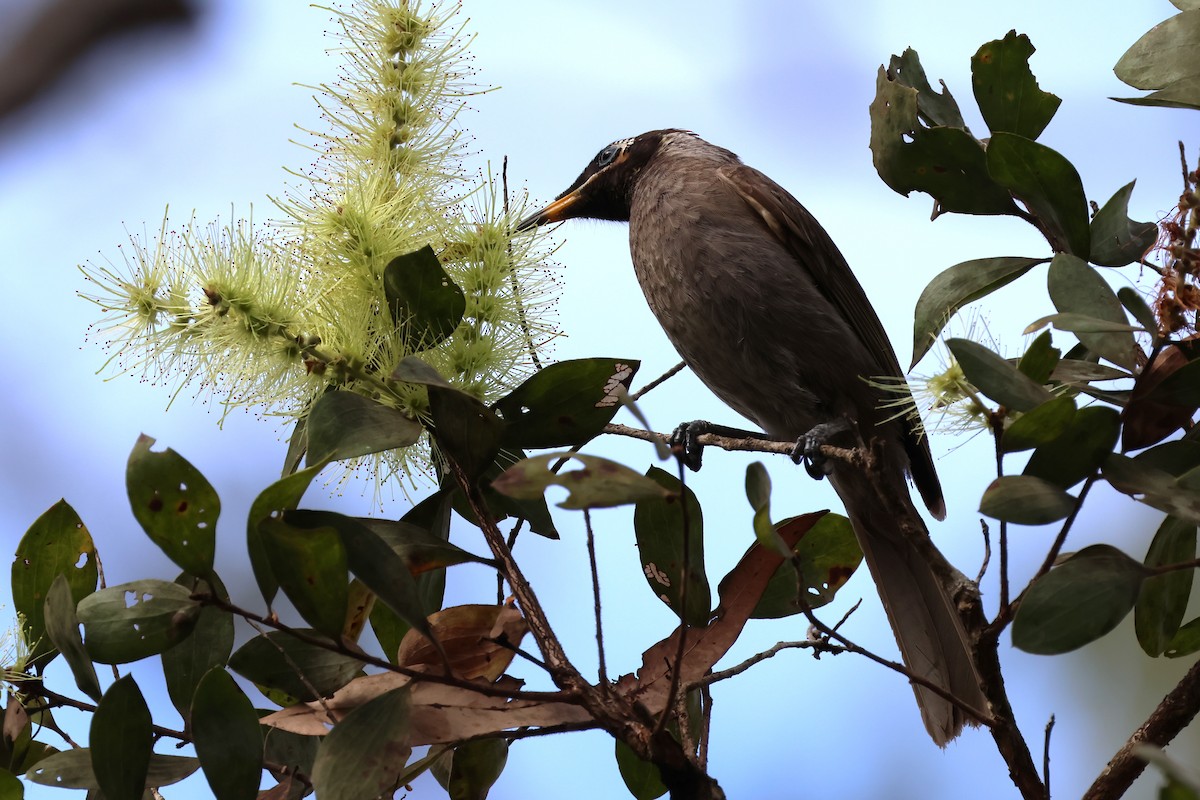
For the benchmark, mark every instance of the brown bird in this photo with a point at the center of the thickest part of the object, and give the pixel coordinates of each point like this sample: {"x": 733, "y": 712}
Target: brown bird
{"x": 764, "y": 309}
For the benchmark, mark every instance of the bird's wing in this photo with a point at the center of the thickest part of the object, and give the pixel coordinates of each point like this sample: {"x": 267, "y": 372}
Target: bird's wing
{"x": 800, "y": 233}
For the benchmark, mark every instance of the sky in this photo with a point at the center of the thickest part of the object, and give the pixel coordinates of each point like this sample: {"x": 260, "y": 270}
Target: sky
{"x": 201, "y": 121}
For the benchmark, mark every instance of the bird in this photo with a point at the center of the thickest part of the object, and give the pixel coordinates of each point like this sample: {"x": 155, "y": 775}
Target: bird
{"x": 764, "y": 309}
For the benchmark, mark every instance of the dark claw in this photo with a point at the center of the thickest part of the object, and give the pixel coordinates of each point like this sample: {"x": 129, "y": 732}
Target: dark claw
{"x": 685, "y": 444}
{"x": 808, "y": 447}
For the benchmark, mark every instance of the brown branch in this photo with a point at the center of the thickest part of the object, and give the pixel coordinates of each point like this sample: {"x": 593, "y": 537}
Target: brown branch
{"x": 1173, "y": 714}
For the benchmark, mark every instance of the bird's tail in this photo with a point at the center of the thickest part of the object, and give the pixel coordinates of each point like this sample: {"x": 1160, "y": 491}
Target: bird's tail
{"x": 928, "y": 629}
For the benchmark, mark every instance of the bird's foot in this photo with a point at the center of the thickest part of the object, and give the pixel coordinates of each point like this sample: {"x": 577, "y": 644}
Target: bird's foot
{"x": 685, "y": 439}
{"x": 808, "y": 447}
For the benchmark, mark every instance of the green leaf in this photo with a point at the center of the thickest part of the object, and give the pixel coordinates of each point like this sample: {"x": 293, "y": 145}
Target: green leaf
{"x": 121, "y": 741}
{"x": 659, "y": 526}
{"x": 209, "y": 646}
{"x": 272, "y": 660}
{"x": 827, "y": 553}
{"x": 1116, "y": 239}
{"x": 1180, "y": 388}
{"x": 72, "y": 769}
{"x": 294, "y": 750}
{"x": 343, "y": 425}
{"x": 227, "y": 736}
{"x": 1080, "y": 450}
{"x": 1078, "y": 601}
{"x": 282, "y": 495}
{"x": 62, "y": 627}
{"x": 947, "y": 163}
{"x": 954, "y": 288}
{"x": 1040, "y": 359}
{"x": 11, "y": 787}
{"x": 933, "y": 108}
{"x": 419, "y": 549}
{"x": 475, "y": 767}
{"x": 373, "y": 561}
{"x": 310, "y": 564}
{"x": 1185, "y": 641}
{"x": 533, "y": 510}
{"x": 1047, "y": 184}
{"x": 758, "y": 492}
{"x": 1079, "y": 323}
{"x": 424, "y": 301}
{"x": 1183, "y": 93}
{"x": 600, "y": 484}
{"x": 135, "y": 620}
{"x": 642, "y": 778}
{"x": 1163, "y": 601}
{"x": 1133, "y": 302}
{"x": 1077, "y": 288}
{"x": 996, "y": 377}
{"x": 1039, "y": 426}
{"x": 1164, "y": 55}
{"x": 1007, "y": 93}
{"x": 175, "y": 505}
{"x": 566, "y": 404}
{"x": 1025, "y": 500}
{"x": 56, "y": 543}
{"x": 1152, "y": 485}
{"x": 364, "y": 753}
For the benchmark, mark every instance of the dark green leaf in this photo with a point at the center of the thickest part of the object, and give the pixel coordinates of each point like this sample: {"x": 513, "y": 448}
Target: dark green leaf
{"x": 600, "y": 484}
{"x": 566, "y": 404}
{"x": 1185, "y": 641}
{"x": 954, "y": 288}
{"x": 466, "y": 431}
{"x": 344, "y": 425}
{"x": 1163, "y": 55}
{"x": 1133, "y": 302}
{"x": 1180, "y": 388}
{"x": 11, "y": 787}
{"x": 1077, "y": 288}
{"x": 533, "y": 510}
{"x": 1080, "y": 323}
{"x": 227, "y": 736}
{"x": 292, "y": 751}
{"x": 1116, "y": 239}
{"x": 1078, "y": 601}
{"x": 1152, "y": 486}
{"x": 1040, "y": 359}
{"x": 62, "y": 627}
{"x": 419, "y": 549}
{"x": 272, "y": 660}
{"x": 1161, "y": 605}
{"x": 175, "y": 505}
{"x": 1074, "y": 371}
{"x": 948, "y": 163}
{"x": 1047, "y": 184}
{"x": 1080, "y": 450}
{"x": 373, "y": 561}
{"x": 828, "y": 554}
{"x": 642, "y": 778}
{"x": 310, "y": 564}
{"x": 209, "y": 646}
{"x": 1025, "y": 500}
{"x": 282, "y": 495}
{"x": 135, "y": 620}
{"x": 425, "y": 302}
{"x": 121, "y": 740}
{"x": 297, "y": 444}
{"x": 56, "y": 543}
{"x": 659, "y": 526}
{"x": 364, "y": 753}
{"x": 1007, "y": 93}
{"x": 475, "y": 767}
{"x": 19, "y": 751}
{"x": 72, "y": 769}
{"x": 996, "y": 377}
{"x": 1039, "y": 426}
{"x": 934, "y": 108}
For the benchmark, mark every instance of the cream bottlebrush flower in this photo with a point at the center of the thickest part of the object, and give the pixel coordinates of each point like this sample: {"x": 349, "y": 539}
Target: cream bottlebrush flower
{"x": 14, "y": 654}
{"x": 270, "y": 317}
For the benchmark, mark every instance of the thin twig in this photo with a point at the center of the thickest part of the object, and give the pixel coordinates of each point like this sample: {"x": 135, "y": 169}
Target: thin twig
{"x": 1061, "y": 539}
{"x": 987, "y": 550}
{"x": 757, "y": 658}
{"x": 591, "y": 551}
{"x": 1046, "y": 755}
{"x": 672, "y": 372}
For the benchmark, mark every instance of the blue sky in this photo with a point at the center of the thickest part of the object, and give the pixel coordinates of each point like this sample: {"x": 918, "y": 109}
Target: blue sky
{"x": 202, "y": 121}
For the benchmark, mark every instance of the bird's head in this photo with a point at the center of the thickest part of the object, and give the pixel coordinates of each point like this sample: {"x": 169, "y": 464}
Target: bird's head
{"x": 604, "y": 190}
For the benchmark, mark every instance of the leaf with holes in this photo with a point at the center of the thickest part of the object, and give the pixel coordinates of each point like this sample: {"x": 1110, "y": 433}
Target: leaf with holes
{"x": 599, "y": 484}
{"x": 660, "y": 525}
{"x": 933, "y": 108}
{"x": 175, "y": 505}
{"x": 57, "y": 543}
{"x": 1078, "y": 601}
{"x": 1006, "y": 90}
{"x": 134, "y": 620}
{"x": 566, "y": 404}
{"x": 827, "y": 554}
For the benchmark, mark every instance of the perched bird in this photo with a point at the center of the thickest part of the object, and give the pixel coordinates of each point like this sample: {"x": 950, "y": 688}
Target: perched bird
{"x": 764, "y": 309}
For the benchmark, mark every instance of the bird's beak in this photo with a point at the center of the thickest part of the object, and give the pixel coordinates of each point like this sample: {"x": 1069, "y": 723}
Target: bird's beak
{"x": 557, "y": 211}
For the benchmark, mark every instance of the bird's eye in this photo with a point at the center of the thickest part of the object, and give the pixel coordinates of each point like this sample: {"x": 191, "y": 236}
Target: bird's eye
{"x": 607, "y": 155}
